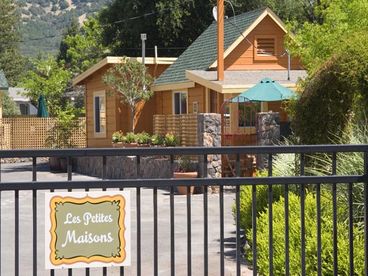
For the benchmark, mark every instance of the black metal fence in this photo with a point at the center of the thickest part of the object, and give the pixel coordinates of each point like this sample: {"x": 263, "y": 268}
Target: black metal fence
{"x": 300, "y": 181}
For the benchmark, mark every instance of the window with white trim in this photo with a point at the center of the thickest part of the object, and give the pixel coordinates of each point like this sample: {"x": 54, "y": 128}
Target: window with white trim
{"x": 180, "y": 103}
{"x": 99, "y": 113}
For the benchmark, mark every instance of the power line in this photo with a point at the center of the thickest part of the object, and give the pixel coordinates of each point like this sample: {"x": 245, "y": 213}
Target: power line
{"x": 41, "y": 38}
{"x": 128, "y": 19}
{"x": 104, "y": 25}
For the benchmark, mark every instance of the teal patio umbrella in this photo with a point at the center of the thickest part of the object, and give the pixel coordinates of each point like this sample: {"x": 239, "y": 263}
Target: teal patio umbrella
{"x": 267, "y": 90}
{"x": 42, "y": 107}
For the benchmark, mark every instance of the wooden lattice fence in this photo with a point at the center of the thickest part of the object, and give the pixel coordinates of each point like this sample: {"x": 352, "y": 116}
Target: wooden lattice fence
{"x": 184, "y": 126}
{"x": 32, "y": 132}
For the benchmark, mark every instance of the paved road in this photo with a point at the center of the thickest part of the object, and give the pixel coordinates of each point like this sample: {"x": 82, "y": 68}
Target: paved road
{"x": 22, "y": 172}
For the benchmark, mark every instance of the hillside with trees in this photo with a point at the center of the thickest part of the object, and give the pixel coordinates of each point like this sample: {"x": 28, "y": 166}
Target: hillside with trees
{"x": 43, "y": 22}
{"x": 168, "y": 23}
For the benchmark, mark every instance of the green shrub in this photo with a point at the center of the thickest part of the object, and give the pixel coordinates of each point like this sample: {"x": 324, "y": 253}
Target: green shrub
{"x": 61, "y": 134}
{"x": 130, "y": 137}
{"x": 143, "y": 138}
{"x": 311, "y": 239}
{"x": 117, "y": 137}
{"x": 261, "y": 201}
{"x": 171, "y": 140}
{"x": 157, "y": 140}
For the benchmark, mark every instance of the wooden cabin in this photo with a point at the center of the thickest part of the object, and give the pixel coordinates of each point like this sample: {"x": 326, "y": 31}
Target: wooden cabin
{"x": 105, "y": 113}
{"x": 254, "y": 49}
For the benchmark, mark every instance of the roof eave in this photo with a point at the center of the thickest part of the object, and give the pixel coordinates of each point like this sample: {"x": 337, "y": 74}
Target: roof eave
{"x": 266, "y": 12}
{"x": 115, "y": 60}
{"x": 173, "y": 86}
{"x": 225, "y": 88}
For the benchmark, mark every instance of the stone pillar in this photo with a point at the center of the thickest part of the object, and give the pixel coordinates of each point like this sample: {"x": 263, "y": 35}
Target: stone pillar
{"x": 209, "y": 135}
{"x": 268, "y": 133}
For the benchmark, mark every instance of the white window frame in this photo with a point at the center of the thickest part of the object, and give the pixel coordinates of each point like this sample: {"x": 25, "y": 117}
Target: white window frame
{"x": 173, "y": 101}
{"x": 101, "y": 95}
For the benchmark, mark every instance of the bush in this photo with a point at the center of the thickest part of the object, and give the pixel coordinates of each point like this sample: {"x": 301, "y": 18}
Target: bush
{"x": 10, "y": 108}
{"x": 117, "y": 137}
{"x": 171, "y": 140}
{"x": 130, "y": 137}
{"x": 143, "y": 138}
{"x": 311, "y": 239}
{"x": 60, "y": 135}
{"x": 157, "y": 140}
{"x": 261, "y": 202}
{"x": 349, "y": 163}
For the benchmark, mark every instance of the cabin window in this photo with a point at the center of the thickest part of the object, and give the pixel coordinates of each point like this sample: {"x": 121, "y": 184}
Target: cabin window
{"x": 99, "y": 116}
{"x": 180, "y": 102}
{"x": 265, "y": 47}
{"x": 247, "y": 114}
{"x": 24, "y": 109}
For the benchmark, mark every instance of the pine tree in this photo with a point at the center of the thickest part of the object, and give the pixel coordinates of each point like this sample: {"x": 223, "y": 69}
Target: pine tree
{"x": 11, "y": 61}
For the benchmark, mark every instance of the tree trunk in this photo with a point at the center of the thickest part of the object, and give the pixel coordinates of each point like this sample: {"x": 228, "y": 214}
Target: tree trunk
{"x": 132, "y": 119}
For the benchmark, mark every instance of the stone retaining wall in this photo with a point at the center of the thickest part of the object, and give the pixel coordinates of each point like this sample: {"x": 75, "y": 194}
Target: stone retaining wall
{"x": 268, "y": 133}
{"x": 124, "y": 167}
{"x": 209, "y": 135}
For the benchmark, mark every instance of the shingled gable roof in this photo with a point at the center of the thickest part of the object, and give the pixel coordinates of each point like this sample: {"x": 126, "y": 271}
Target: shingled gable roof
{"x": 202, "y": 53}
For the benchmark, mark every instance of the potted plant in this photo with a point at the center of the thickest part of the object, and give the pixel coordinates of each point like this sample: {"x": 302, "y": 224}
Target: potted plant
{"x": 185, "y": 169}
{"x": 143, "y": 139}
{"x": 118, "y": 139}
{"x": 157, "y": 140}
{"x": 130, "y": 140}
{"x": 171, "y": 140}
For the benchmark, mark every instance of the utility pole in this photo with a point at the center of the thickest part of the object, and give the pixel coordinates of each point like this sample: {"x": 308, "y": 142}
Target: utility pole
{"x": 143, "y": 38}
{"x": 220, "y": 40}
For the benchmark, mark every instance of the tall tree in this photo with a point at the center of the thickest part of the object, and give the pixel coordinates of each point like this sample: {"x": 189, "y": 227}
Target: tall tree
{"x": 10, "y": 108}
{"x": 316, "y": 42}
{"x": 175, "y": 24}
{"x": 50, "y": 79}
{"x": 11, "y": 61}
{"x": 72, "y": 30}
{"x": 124, "y": 20}
{"x": 81, "y": 48}
{"x": 131, "y": 81}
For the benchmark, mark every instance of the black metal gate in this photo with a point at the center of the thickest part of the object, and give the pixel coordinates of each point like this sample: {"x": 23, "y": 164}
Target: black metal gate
{"x": 299, "y": 180}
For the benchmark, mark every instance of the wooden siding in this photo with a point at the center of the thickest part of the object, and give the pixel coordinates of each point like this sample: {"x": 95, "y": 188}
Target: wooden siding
{"x": 243, "y": 56}
{"x": 117, "y": 113}
{"x": 164, "y": 100}
{"x": 197, "y": 94}
{"x": 95, "y": 84}
{"x": 277, "y": 107}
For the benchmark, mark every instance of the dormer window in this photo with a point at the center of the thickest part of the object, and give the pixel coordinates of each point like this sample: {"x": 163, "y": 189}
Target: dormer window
{"x": 265, "y": 48}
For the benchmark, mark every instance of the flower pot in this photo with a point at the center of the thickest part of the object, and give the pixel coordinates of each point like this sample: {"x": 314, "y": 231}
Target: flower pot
{"x": 58, "y": 164}
{"x": 118, "y": 145}
{"x": 131, "y": 145}
{"x": 182, "y": 190}
{"x": 54, "y": 164}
